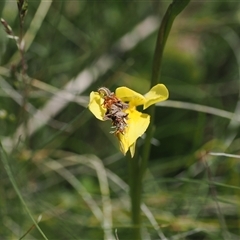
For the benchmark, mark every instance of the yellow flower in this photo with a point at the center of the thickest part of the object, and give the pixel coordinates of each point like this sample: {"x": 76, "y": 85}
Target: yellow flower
{"x": 136, "y": 122}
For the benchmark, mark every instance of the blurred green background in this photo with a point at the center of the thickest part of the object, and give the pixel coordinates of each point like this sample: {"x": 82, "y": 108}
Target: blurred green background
{"x": 68, "y": 167}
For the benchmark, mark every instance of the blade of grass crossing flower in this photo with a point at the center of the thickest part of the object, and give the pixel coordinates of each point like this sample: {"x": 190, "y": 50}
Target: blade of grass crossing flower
{"x": 4, "y": 158}
{"x": 173, "y": 10}
{"x": 141, "y": 163}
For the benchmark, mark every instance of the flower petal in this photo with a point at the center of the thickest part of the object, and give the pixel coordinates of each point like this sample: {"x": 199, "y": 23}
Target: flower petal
{"x": 158, "y": 93}
{"x": 96, "y": 105}
{"x": 128, "y": 95}
{"x": 137, "y": 124}
{"x": 132, "y": 149}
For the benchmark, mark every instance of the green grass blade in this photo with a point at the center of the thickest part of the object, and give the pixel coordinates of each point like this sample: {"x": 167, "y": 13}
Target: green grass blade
{"x": 4, "y": 158}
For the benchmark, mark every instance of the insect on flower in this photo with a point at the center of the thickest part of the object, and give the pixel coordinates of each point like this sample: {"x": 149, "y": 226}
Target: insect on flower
{"x": 115, "y": 110}
{"x": 120, "y": 107}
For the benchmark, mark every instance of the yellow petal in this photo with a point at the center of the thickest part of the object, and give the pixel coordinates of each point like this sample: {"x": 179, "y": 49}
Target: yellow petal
{"x": 128, "y": 95}
{"x": 96, "y": 105}
{"x": 158, "y": 93}
{"x": 137, "y": 124}
{"x": 123, "y": 143}
{"x": 132, "y": 149}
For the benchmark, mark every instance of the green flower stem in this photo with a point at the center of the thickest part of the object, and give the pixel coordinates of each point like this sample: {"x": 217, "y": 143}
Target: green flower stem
{"x": 135, "y": 184}
{"x": 138, "y": 165}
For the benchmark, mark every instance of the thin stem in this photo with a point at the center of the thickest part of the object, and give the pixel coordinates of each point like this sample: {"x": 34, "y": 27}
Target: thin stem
{"x": 22, "y": 10}
{"x": 173, "y": 10}
{"x": 213, "y": 192}
{"x": 138, "y": 165}
{"x": 135, "y": 192}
